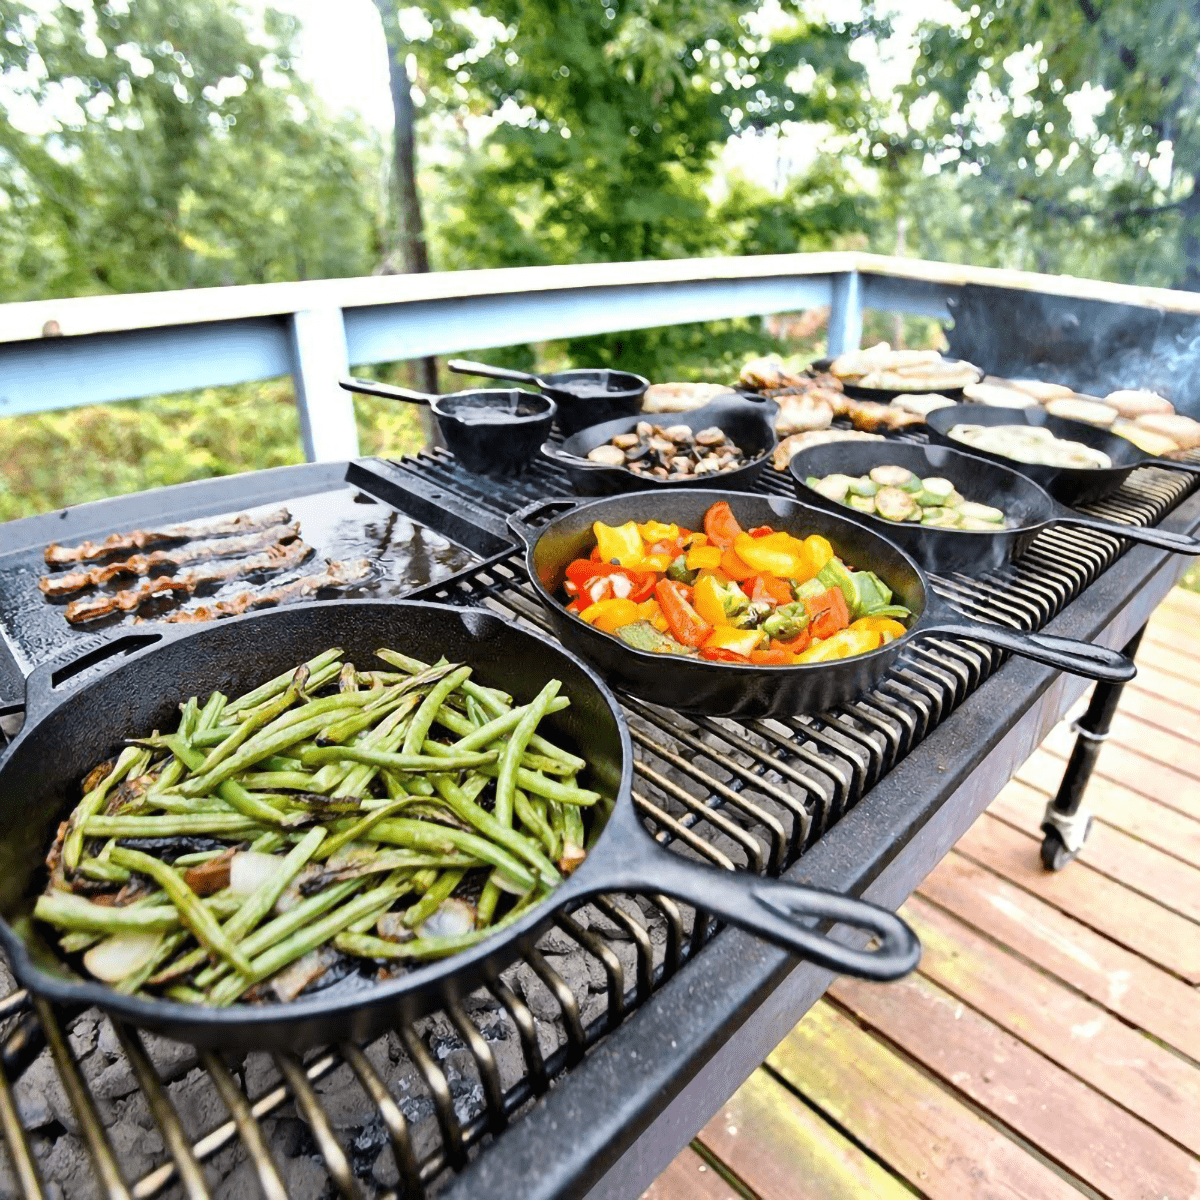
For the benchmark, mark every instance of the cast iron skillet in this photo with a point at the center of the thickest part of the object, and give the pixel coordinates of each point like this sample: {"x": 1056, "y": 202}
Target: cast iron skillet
{"x": 1070, "y": 485}
{"x": 72, "y": 725}
{"x": 491, "y": 432}
{"x": 883, "y": 395}
{"x": 1027, "y": 507}
{"x": 585, "y": 396}
{"x": 749, "y": 424}
{"x": 731, "y": 689}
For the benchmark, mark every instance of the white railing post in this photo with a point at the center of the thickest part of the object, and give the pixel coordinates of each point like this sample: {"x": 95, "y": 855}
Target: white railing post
{"x": 845, "y": 314}
{"x": 319, "y": 360}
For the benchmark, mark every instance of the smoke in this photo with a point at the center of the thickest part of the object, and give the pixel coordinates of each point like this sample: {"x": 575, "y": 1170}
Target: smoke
{"x": 1089, "y": 345}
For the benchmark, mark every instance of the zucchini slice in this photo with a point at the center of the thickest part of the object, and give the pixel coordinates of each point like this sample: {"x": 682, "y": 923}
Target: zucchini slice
{"x": 895, "y": 505}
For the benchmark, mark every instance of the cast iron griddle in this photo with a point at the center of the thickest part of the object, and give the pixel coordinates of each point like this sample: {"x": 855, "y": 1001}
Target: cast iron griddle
{"x": 346, "y": 511}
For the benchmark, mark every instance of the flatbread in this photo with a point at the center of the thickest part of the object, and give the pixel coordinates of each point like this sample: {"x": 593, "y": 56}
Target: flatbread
{"x": 998, "y": 395}
{"x": 1138, "y": 402}
{"x": 1144, "y": 439}
{"x": 681, "y": 397}
{"x": 1072, "y": 408}
{"x": 1183, "y": 431}
{"x": 791, "y": 446}
{"x": 1040, "y": 390}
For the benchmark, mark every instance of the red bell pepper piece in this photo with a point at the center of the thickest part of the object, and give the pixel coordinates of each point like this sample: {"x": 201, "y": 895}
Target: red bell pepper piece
{"x": 583, "y": 571}
{"x": 829, "y": 613}
{"x": 717, "y": 654}
{"x": 686, "y": 625}
{"x": 762, "y": 531}
{"x": 771, "y": 658}
{"x": 769, "y": 589}
{"x": 721, "y": 525}
{"x": 795, "y": 645}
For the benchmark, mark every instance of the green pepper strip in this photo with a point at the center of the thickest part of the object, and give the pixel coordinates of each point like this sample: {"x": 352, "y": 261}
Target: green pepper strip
{"x": 193, "y": 914}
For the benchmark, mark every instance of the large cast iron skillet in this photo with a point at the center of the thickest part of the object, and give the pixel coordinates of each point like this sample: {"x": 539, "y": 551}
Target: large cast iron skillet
{"x": 1029, "y": 509}
{"x": 70, "y": 727}
{"x": 1070, "y": 485}
{"x": 748, "y": 423}
{"x": 730, "y": 689}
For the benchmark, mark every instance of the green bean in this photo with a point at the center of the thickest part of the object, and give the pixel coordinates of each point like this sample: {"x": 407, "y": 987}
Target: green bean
{"x": 104, "y": 872}
{"x": 91, "y": 804}
{"x": 490, "y": 698}
{"x": 262, "y": 716}
{"x": 192, "y": 860}
{"x": 485, "y": 910}
{"x": 356, "y": 722}
{"x": 419, "y": 835}
{"x": 193, "y": 914}
{"x": 273, "y": 686}
{"x": 564, "y": 792}
{"x": 299, "y": 944}
{"x": 170, "y": 943}
{"x": 423, "y": 718}
{"x": 434, "y": 897}
{"x": 485, "y": 735}
{"x": 491, "y": 827}
{"x": 506, "y": 782}
{"x": 68, "y": 911}
{"x": 223, "y": 824}
{"x": 534, "y": 819}
{"x": 299, "y": 781}
{"x": 355, "y": 831}
{"x": 398, "y": 762}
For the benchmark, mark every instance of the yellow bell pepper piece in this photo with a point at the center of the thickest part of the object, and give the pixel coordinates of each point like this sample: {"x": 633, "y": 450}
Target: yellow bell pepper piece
{"x": 887, "y": 627}
{"x": 619, "y": 543}
{"x": 700, "y": 557}
{"x": 656, "y": 531}
{"x": 655, "y": 562}
{"x": 819, "y": 551}
{"x": 610, "y": 615}
{"x": 777, "y": 554}
{"x": 844, "y": 644}
{"x": 740, "y": 641}
{"x": 706, "y": 600}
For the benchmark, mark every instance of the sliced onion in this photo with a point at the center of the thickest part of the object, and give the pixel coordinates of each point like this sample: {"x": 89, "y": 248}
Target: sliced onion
{"x": 250, "y": 869}
{"x": 391, "y": 927}
{"x": 121, "y": 954}
{"x": 292, "y": 980}
{"x": 572, "y": 858}
{"x": 452, "y": 918}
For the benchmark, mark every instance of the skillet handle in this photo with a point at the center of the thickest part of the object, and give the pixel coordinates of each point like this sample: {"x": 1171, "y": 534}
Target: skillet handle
{"x": 368, "y": 387}
{"x": 782, "y": 913}
{"x": 1162, "y": 539}
{"x": 465, "y": 366}
{"x": 1067, "y": 654}
{"x": 526, "y": 523}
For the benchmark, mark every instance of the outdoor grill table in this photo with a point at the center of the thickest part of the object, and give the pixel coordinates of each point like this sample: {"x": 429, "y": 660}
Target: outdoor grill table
{"x": 597, "y": 1058}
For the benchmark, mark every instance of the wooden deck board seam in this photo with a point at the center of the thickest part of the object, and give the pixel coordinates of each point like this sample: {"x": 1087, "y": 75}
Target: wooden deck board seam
{"x": 726, "y": 1172}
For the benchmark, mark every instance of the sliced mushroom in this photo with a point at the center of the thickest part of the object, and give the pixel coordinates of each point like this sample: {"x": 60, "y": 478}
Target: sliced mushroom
{"x": 643, "y": 429}
{"x": 712, "y": 436}
{"x": 679, "y": 434}
{"x": 626, "y": 441}
{"x": 609, "y": 456}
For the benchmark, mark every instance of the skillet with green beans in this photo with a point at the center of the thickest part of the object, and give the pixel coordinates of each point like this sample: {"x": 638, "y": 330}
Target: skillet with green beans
{"x": 897, "y": 494}
{"x": 334, "y": 819}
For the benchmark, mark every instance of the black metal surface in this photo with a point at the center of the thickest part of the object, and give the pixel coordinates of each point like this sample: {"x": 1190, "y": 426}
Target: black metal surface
{"x": 727, "y": 689}
{"x": 843, "y": 787}
{"x": 490, "y": 431}
{"x": 1070, "y": 485}
{"x": 346, "y": 510}
{"x": 585, "y": 396}
{"x": 748, "y": 423}
{"x": 1028, "y": 508}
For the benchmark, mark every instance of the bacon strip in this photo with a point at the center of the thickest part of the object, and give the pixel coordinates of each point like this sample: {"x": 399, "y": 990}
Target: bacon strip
{"x": 336, "y": 575}
{"x": 275, "y": 558}
{"x": 144, "y": 564}
{"x": 138, "y": 539}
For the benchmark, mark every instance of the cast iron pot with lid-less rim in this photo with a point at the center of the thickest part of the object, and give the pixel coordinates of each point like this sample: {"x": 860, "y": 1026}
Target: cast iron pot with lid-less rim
{"x": 737, "y": 690}
{"x": 1068, "y": 485}
{"x": 72, "y": 727}
{"x": 1026, "y": 506}
{"x": 748, "y": 423}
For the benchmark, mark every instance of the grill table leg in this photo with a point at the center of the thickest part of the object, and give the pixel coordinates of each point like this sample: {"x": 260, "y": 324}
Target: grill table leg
{"x": 1067, "y": 823}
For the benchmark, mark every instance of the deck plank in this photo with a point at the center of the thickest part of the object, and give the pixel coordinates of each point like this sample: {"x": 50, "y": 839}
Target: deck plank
{"x": 1140, "y": 924}
{"x": 782, "y": 1149}
{"x": 1121, "y": 982}
{"x": 689, "y": 1177}
{"x": 1124, "y": 1064}
{"x": 1109, "y": 1149}
{"x": 1119, "y": 806}
{"x": 1161, "y": 685}
{"x": 1156, "y": 712}
{"x": 1116, "y": 855}
{"x": 933, "y": 1140}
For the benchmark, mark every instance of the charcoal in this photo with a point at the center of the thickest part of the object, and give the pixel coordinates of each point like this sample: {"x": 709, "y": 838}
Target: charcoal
{"x": 137, "y": 1149}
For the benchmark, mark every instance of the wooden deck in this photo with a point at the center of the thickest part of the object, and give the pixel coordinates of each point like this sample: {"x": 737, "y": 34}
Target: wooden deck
{"x": 1049, "y": 1044}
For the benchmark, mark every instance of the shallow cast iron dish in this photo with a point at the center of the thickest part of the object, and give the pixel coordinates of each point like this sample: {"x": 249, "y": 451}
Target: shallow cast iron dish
{"x": 1027, "y": 508}
{"x": 71, "y": 725}
{"x": 749, "y": 424}
{"x": 490, "y": 432}
{"x": 1070, "y": 485}
{"x": 731, "y": 689}
{"x": 883, "y": 395}
{"x": 585, "y": 396}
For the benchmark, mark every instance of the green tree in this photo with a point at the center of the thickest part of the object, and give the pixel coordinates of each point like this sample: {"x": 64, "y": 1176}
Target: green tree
{"x": 168, "y": 143}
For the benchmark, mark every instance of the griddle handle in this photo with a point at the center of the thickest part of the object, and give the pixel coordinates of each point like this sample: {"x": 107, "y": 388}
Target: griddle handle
{"x": 1147, "y": 535}
{"x": 387, "y": 391}
{"x": 527, "y": 522}
{"x": 1067, "y": 654}
{"x": 47, "y": 685}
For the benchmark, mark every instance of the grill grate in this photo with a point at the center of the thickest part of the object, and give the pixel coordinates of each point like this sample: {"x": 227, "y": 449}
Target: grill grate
{"x": 106, "y": 1110}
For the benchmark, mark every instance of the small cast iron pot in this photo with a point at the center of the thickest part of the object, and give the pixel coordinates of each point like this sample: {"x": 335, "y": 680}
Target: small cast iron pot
{"x": 1070, "y": 485}
{"x": 490, "y": 432}
{"x": 1027, "y": 507}
{"x": 748, "y": 423}
{"x": 732, "y": 689}
{"x": 73, "y": 724}
{"x": 585, "y": 396}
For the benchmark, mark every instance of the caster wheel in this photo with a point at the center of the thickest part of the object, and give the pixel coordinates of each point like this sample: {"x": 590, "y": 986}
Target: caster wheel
{"x": 1055, "y": 855}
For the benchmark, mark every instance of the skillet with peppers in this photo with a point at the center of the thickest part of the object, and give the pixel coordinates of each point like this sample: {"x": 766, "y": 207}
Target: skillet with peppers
{"x": 730, "y": 595}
